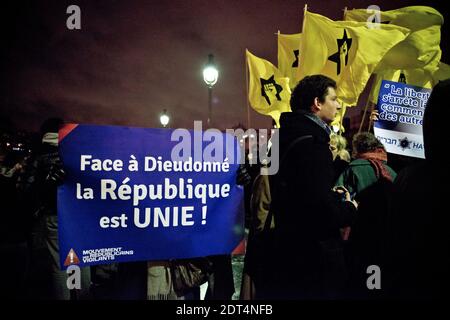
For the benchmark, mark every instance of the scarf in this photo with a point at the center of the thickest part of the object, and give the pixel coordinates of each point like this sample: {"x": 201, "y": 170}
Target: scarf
{"x": 318, "y": 121}
{"x": 377, "y": 158}
{"x": 159, "y": 281}
{"x": 50, "y": 138}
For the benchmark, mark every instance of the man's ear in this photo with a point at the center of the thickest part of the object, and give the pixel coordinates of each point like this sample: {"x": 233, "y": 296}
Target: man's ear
{"x": 317, "y": 106}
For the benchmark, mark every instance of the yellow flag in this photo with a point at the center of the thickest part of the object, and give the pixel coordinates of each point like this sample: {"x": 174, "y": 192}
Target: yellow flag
{"x": 421, "y": 49}
{"x": 413, "y": 17}
{"x": 441, "y": 73}
{"x": 288, "y": 55}
{"x": 268, "y": 91}
{"x": 345, "y": 51}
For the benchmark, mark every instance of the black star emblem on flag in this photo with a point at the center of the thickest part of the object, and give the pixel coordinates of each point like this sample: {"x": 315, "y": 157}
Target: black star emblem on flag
{"x": 295, "y": 63}
{"x": 270, "y": 89}
{"x": 344, "y": 44}
{"x": 402, "y": 78}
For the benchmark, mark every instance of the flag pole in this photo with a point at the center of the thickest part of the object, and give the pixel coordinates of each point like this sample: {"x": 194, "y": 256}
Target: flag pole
{"x": 343, "y": 18}
{"x": 246, "y": 89}
{"x": 371, "y": 123}
{"x": 304, "y": 13}
{"x": 368, "y": 102}
{"x": 298, "y": 72}
{"x": 342, "y": 121}
{"x": 364, "y": 115}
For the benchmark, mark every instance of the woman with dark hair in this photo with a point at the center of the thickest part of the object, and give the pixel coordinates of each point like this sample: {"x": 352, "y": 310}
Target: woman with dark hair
{"x": 369, "y": 165}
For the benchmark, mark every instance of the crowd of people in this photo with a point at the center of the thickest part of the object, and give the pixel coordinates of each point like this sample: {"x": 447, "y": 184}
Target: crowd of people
{"x": 326, "y": 227}
{"x": 316, "y": 228}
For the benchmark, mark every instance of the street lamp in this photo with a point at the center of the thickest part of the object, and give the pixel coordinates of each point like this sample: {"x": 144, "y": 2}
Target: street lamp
{"x": 210, "y": 76}
{"x": 164, "y": 118}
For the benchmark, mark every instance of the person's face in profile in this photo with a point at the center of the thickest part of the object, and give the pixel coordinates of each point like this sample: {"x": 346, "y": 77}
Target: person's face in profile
{"x": 328, "y": 109}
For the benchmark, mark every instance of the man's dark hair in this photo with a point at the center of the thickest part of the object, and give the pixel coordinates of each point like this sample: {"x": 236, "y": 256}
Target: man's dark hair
{"x": 309, "y": 88}
{"x": 365, "y": 142}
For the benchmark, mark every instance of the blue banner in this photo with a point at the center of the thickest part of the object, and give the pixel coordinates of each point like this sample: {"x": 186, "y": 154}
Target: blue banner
{"x": 138, "y": 194}
{"x": 401, "y": 108}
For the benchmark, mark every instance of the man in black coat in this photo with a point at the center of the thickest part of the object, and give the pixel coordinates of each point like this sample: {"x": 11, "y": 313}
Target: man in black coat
{"x": 308, "y": 214}
{"x": 38, "y": 186}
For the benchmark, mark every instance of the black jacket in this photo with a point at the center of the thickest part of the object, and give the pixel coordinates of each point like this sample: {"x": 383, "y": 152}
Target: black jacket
{"x": 307, "y": 213}
{"x": 38, "y": 184}
{"x": 308, "y": 202}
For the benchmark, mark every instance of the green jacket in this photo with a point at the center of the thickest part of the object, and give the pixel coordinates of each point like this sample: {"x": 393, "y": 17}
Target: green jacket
{"x": 359, "y": 175}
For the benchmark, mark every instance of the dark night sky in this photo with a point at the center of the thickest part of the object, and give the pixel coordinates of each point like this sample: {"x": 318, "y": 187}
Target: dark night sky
{"x": 131, "y": 59}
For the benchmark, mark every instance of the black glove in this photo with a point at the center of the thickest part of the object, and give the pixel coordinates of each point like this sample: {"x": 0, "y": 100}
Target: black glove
{"x": 243, "y": 177}
{"x": 56, "y": 174}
